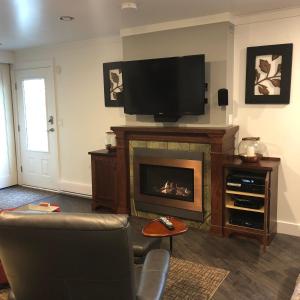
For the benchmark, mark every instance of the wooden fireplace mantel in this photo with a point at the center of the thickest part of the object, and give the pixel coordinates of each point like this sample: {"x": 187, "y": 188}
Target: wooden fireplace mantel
{"x": 221, "y": 139}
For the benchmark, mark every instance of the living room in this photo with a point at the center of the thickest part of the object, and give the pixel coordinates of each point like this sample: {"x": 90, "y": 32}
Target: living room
{"x": 68, "y": 44}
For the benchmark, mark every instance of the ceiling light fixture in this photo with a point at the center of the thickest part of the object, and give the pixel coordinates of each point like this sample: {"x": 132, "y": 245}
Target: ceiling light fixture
{"x": 129, "y": 5}
{"x": 66, "y": 18}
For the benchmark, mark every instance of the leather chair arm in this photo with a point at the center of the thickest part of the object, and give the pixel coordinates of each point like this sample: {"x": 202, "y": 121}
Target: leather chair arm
{"x": 154, "y": 275}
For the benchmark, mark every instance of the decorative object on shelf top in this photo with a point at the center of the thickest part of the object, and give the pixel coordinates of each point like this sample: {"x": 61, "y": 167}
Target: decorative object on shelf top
{"x": 250, "y": 149}
{"x": 113, "y": 84}
{"x": 110, "y": 141}
{"x": 268, "y": 78}
{"x": 129, "y": 5}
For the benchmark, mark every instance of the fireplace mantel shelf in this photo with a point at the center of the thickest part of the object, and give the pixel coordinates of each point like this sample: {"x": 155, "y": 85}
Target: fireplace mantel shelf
{"x": 221, "y": 140}
{"x": 150, "y": 130}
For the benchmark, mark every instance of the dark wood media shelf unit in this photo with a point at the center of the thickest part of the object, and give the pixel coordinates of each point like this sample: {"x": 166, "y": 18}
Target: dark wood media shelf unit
{"x": 111, "y": 177}
{"x": 111, "y": 171}
{"x": 266, "y": 214}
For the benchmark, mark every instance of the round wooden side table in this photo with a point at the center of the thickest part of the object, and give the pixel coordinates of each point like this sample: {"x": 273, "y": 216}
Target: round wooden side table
{"x": 156, "y": 229}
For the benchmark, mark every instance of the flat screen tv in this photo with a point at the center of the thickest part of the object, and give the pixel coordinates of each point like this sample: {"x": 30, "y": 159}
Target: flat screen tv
{"x": 166, "y": 87}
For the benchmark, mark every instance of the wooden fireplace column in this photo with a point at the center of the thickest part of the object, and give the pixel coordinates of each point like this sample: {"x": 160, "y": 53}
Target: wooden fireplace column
{"x": 221, "y": 139}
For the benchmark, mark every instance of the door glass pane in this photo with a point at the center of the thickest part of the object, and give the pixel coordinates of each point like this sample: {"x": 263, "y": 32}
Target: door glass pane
{"x": 35, "y": 114}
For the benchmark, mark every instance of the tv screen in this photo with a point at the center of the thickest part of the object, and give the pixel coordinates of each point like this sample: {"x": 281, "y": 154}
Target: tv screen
{"x": 166, "y": 86}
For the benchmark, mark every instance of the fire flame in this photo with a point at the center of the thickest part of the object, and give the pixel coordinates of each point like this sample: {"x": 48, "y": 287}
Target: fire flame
{"x": 172, "y": 188}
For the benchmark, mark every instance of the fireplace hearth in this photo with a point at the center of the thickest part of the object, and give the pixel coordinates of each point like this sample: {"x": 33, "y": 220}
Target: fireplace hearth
{"x": 169, "y": 182}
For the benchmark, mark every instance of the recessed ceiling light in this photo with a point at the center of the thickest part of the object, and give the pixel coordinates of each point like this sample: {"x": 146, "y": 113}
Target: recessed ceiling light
{"x": 129, "y": 5}
{"x": 66, "y": 18}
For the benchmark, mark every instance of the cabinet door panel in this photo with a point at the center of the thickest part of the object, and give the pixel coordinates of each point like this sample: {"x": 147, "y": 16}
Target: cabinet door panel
{"x": 104, "y": 181}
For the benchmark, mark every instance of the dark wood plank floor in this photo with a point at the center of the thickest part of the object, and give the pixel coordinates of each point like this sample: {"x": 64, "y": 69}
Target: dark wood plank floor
{"x": 253, "y": 273}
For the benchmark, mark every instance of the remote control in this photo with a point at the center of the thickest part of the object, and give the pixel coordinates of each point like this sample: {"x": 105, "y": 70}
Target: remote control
{"x": 166, "y": 222}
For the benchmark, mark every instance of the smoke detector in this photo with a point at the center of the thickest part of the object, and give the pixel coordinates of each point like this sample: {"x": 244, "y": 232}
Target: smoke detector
{"x": 129, "y": 5}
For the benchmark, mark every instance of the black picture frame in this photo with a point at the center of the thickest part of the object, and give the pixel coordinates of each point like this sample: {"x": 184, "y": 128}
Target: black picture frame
{"x": 262, "y": 87}
{"x": 113, "y": 84}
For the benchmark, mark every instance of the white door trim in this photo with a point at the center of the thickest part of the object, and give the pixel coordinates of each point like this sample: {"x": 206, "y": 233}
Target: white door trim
{"x": 6, "y": 97}
{"x": 34, "y": 65}
{"x": 16, "y": 123}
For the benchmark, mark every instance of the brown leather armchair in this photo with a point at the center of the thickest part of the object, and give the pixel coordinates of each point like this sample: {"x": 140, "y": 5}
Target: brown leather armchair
{"x": 76, "y": 256}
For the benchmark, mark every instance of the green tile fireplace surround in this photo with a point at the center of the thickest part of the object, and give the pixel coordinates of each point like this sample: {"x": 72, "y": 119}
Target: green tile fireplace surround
{"x": 176, "y": 146}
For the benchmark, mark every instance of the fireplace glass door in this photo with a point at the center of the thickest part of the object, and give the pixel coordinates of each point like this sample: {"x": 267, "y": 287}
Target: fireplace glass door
{"x": 168, "y": 182}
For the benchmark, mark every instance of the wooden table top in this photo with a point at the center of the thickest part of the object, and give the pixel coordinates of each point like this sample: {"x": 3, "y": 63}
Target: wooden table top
{"x": 156, "y": 229}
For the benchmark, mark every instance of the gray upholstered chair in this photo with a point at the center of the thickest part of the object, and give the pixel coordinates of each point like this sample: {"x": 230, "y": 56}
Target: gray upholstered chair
{"x": 142, "y": 245}
{"x": 76, "y": 256}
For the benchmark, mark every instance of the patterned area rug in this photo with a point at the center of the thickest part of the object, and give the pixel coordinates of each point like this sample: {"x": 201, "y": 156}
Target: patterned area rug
{"x": 186, "y": 281}
{"x": 192, "y": 281}
{"x": 17, "y": 196}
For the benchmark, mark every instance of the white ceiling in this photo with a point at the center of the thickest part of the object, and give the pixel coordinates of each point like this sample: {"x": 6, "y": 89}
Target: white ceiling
{"x": 28, "y": 23}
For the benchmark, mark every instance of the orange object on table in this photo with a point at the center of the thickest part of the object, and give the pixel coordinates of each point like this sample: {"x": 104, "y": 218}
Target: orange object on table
{"x": 47, "y": 204}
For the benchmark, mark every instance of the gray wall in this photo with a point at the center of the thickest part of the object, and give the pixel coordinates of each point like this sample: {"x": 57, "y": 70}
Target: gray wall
{"x": 213, "y": 40}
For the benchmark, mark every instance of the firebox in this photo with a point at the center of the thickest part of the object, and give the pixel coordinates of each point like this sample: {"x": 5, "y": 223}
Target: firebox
{"x": 169, "y": 182}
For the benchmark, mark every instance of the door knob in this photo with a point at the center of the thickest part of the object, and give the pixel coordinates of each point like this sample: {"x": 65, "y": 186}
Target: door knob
{"x": 51, "y": 130}
{"x": 51, "y": 120}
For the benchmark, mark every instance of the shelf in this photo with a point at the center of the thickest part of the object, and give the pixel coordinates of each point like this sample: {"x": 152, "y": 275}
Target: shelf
{"x": 245, "y": 194}
{"x": 265, "y": 217}
{"x": 230, "y": 204}
{"x": 244, "y": 228}
{"x": 266, "y": 164}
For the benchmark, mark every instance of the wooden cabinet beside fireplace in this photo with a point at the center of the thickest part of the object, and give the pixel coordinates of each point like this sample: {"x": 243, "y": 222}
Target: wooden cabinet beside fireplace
{"x": 266, "y": 215}
{"x": 104, "y": 183}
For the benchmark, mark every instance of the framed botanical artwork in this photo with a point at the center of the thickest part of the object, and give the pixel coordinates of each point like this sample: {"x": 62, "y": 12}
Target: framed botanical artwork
{"x": 268, "y": 75}
{"x": 113, "y": 84}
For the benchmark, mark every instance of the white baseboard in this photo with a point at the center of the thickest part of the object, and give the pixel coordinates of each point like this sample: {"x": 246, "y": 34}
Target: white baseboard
{"x": 75, "y": 188}
{"x": 288, "y": 228}
{"x": 39, "y": 188}
{"x": 76, "y": 194}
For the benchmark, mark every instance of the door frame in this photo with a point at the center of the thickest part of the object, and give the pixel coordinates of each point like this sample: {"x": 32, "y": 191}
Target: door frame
{"x": 23, "y": 67}
{"x": 9, "y": 116}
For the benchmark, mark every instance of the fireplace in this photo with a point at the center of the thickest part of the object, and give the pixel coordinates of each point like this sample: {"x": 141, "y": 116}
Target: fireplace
{"x": 169, "y": 182}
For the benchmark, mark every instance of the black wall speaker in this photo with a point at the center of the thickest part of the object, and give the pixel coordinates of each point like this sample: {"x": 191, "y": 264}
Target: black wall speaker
{"x": 223, "y": 97}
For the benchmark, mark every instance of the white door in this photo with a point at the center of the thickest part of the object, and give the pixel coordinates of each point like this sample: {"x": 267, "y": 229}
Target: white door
{"x": 8, "y": 169}
{"x": 37, "y": 128}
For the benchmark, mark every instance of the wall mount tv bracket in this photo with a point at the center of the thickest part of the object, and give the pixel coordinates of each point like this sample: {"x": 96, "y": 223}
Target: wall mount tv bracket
{"x": 206, "y": 90}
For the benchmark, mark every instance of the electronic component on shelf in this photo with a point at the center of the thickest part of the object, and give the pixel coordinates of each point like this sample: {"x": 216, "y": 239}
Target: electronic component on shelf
{"x": 166, "y": 222}
{"x": 247, "y": 202}
{"x": 252, "y": 220}
{"x": 248, "y": 183}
